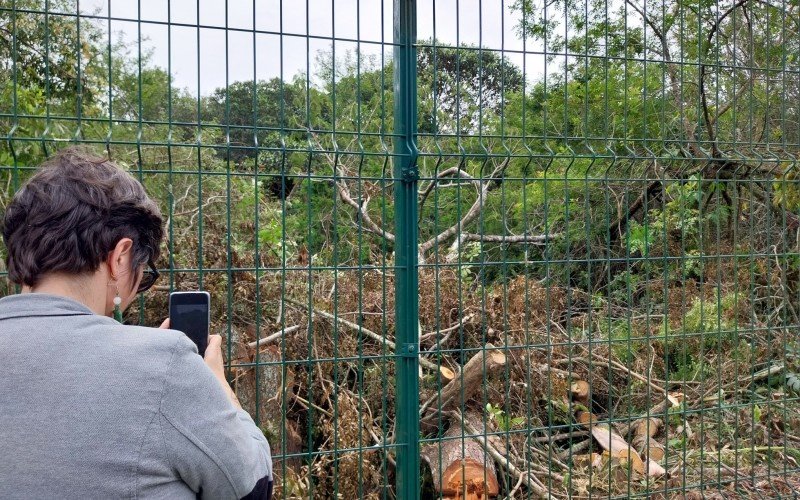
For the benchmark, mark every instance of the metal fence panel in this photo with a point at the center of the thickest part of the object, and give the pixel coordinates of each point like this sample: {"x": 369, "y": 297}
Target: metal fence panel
{"x": 460, "y": 248}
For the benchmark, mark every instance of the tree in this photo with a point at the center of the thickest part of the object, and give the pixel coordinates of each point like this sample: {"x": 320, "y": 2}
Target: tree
{"x": 267, "y": 110}
{"x": 688, "y": 46}
{"x": 460, "y": 87}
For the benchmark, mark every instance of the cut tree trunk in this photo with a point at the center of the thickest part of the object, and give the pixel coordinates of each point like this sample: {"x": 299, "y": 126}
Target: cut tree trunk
{"x": 471, "y": 378}
{"x": 263, "y": 397}
{"x": 459, "y": 465}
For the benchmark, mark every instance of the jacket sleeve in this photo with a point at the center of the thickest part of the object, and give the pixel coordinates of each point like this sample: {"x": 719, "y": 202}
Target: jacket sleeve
{"x": 215, "y": 448}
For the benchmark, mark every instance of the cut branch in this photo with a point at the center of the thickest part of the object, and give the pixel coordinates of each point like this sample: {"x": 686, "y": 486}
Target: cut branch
{"x": 275, "y": 336}
{"x": 536, "y": 239}
{"x": 617, "y": 447}
{"x": 673, "y": 400}
{"x": 644, "y": 432}
{"x": 470, "y": 379}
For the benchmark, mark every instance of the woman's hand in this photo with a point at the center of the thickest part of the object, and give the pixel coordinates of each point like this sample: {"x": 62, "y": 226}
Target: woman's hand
{"x": 165, "y": 324}
{"x": 213, "y": 358}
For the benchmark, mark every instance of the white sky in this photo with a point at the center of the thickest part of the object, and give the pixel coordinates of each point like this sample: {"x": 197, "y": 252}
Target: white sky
{"x": 455, "y": 20}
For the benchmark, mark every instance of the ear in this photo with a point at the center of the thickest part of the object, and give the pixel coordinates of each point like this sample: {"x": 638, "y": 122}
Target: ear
{"x": 120, "y": 259}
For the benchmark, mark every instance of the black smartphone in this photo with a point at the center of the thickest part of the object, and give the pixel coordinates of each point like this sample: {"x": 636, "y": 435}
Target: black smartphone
{"x": 190, "y": 313}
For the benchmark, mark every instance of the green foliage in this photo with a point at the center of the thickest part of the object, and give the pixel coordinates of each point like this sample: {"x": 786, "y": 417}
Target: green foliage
{"x": 504, "y": 421}
{"x": 709, "y": 325}
{"x": 622, "y": 339}
{"x": 610, "y": 155}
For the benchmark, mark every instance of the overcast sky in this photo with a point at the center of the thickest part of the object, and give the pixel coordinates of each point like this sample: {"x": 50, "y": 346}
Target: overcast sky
{"x": 488, "y": 22}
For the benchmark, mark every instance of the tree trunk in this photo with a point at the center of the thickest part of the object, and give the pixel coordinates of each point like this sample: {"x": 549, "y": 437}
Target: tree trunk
{"x": 460, "y": 467}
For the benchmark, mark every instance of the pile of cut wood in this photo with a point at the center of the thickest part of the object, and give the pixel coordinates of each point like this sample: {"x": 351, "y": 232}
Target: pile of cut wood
{"x": 464, "y": 462}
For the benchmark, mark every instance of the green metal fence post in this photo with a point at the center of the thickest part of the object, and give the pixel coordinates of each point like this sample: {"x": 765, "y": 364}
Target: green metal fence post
{"x": 406, "y": 283}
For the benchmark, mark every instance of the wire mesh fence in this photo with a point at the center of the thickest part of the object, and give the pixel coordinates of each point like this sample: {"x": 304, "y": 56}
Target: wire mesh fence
{"x": 460, "y": 248}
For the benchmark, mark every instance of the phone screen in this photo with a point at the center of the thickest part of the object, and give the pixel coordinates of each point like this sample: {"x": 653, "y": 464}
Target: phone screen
{"x": 188, "y": 313}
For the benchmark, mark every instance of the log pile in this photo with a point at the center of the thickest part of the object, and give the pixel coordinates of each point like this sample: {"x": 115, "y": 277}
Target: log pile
{"x": 644, "y": 452}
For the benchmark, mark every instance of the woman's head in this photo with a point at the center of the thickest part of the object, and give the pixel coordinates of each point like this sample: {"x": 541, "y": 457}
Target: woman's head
{"x": 80, "y": 215}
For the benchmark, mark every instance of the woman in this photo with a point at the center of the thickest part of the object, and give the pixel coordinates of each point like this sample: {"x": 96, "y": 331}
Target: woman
{"x": 90, "y": 408}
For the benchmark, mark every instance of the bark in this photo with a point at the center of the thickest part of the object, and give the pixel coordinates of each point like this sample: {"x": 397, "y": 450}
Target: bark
{"x": 488, "y": 184}
{"x": 643, "y": 441}
{"x": 265, "y": 396}
{"x": 471, "y": 378}
{"x": 459, "y": 464}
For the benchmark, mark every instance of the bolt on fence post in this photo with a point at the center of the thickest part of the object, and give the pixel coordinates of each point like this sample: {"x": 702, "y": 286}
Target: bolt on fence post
{"x": 406, "y": 280}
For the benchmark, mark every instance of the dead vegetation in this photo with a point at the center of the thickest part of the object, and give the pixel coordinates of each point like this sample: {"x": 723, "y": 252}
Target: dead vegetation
{"x": 543, "y": 402}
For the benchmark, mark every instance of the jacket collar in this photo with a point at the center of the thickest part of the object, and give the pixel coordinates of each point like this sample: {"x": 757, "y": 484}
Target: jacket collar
{"x": 40, "y": 304}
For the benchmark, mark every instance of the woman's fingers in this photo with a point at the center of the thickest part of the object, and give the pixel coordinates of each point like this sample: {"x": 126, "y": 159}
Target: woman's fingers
{"x": 165, "y": 324}
{"x": 215, "y": 345}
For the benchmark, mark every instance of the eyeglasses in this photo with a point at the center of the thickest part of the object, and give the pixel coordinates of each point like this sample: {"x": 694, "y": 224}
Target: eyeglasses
{"x": 148, "y": 278}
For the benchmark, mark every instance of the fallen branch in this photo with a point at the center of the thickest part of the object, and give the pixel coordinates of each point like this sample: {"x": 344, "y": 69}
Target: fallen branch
{"x": 575, "y": 449}
{"x": 673, "y": 400}
{"x": 533, "y": 239}
{"x": 611, "y": 364}
{"x": 452, "y": 171}
{"x": 550, "y": 439}
{"x": 644, "y": 432}
{"x": 445, "y": 372}
{"x": 488, "y": 184}
{"x": 273, "y": 337}
{"x": 361, "y": 208}
{"x": 449, "y": 329}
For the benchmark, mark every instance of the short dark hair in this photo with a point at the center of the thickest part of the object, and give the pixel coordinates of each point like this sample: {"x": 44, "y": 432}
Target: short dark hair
{"x": 71, "y": 214}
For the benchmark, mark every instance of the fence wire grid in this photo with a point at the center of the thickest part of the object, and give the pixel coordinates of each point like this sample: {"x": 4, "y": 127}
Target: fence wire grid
{"x": 460, "y": 248}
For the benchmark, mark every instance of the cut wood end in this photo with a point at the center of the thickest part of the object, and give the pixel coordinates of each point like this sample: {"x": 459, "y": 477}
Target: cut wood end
{"x": 585, "y": 417}
{"x": 647, "y": 426}
{"x": 675, "y": 399}
{"x": 471, "y": 476}
{"x": 447, "y": 373}
{"x": 579, "y": 391}
{"x": 655, "y": 452}
{"x": 497, "y": 358}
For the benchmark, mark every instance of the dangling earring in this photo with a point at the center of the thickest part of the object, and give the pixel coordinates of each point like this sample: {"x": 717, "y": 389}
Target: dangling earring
{"x": 117, "y": 310}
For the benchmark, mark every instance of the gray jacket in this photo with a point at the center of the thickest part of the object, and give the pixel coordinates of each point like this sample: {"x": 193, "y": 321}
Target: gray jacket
{"x": 90, "y": 408}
